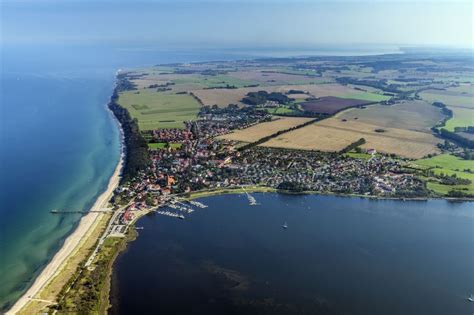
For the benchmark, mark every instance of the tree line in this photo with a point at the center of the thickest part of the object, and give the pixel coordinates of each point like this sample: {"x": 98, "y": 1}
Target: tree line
{"x": 353, "y": 145}
{"x": 136, "y": 148}
{"x": 276, "y": 134}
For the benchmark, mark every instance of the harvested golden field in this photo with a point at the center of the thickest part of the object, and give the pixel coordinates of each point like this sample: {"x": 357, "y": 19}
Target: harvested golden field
{"x": 259, "y": 131}
{"x": 333, "y": 135}
{"x": 408, "y": 115}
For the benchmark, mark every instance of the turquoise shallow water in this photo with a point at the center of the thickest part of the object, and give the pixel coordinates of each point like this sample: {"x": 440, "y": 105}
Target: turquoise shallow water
{"x": 59, "y": 148}
{"x": 337, "y": 256}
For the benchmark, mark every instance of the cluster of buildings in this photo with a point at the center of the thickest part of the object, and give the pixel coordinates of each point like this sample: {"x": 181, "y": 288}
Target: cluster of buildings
{"x": 203, "y": 162}
{"x": 326, "y": 172}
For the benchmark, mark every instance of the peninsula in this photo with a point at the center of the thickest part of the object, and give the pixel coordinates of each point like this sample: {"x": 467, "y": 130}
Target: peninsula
{"x": 392, "y": 126}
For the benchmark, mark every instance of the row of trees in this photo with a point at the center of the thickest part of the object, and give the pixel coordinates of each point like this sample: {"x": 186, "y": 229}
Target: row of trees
{"x": 276, "y": 134}
{"x": 353, "y": 145}
{"x": 464, "y": 142}
{"x": 136, "y": 157}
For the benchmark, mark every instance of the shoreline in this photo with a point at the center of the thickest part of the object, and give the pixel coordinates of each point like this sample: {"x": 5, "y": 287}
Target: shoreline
{"x": 264, "y": 189}
{"x": 73, "y": 241}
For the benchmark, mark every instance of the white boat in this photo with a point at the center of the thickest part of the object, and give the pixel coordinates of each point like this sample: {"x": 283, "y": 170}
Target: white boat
{"x": 471, "y": 298}
{"x": 285, "y": 226}
{"x": 197, "y": 204}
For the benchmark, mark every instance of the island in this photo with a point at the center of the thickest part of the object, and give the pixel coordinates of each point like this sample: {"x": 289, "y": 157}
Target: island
{"x": 393, "y": 126}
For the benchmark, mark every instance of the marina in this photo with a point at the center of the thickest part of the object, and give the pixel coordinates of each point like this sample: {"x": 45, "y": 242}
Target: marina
{"x": 170, "y": 214}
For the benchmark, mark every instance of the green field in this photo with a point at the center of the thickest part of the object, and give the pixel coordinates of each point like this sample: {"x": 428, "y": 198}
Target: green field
{"x": 355, "y": 155}
{"x": 462, "y": 117}
{"x": 157, "y": 110}
{"x": 162, "y": 145}
{"x": 367, "y": 96}
{"x": 461, "y": 104}
{"x": 449, "y": 165}
{"x": 447, "y": 161}
{"x": 214, "y": 81}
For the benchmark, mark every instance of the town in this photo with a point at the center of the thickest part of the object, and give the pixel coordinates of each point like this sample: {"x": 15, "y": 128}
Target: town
{"x": 191, "y": 159}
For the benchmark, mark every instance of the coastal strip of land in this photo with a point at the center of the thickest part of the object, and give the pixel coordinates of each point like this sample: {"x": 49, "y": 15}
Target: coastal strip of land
{"x": 70, "y": 245}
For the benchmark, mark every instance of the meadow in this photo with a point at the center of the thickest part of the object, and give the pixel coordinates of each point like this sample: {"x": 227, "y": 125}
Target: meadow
{"x": 459, "y": 99}
{"x": 155, "y": 110}
{"x": 447, "y": 164}
{"x": 162, "y": 145}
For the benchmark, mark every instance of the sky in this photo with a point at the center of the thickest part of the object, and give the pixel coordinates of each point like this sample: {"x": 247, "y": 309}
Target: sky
{"x": 236, "y": 23}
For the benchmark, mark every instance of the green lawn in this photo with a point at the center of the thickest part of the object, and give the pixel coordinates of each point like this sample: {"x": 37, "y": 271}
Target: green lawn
{"x": 162, "y": 145}
{"x": 158, "y": 110}
{"x": 355, "y": 155}
{"x": 448, "y": 165}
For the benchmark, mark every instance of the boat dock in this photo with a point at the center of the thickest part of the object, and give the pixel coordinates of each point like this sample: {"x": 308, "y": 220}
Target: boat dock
{"x": 55, "y": 211}
{"x": 171, "y": 214}
{"x": 181, "y": 207}
{"x": 197, "y": 204}
{"x": 252, "y": 200}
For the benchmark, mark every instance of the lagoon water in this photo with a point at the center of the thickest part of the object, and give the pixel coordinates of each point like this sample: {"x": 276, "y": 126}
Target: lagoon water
{"x": 338, "y": 256}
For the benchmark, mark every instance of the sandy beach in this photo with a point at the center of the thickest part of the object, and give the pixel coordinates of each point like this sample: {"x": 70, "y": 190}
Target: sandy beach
{"x": 70, "y": 244}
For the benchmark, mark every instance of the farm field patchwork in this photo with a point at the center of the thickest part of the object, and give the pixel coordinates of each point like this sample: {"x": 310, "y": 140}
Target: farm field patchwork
{"x": 334, "y": 135}
{"x": 223, "y": 97}
{"x": 455, "y": 97}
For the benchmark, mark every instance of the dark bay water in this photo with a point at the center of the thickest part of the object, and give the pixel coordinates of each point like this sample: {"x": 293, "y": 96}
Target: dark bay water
{"x": 338, "y": 256}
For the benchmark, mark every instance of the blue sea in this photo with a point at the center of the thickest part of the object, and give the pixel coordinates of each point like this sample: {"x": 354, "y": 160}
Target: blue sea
{"x": 58, "y": 143}
{"x": 59, "y": 146}
{"x": 338, "y": 255}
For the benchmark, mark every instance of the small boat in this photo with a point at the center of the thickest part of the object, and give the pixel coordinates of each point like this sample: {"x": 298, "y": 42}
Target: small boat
{"x": 285, "y": 226}
{"x": 471, "y": 298}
